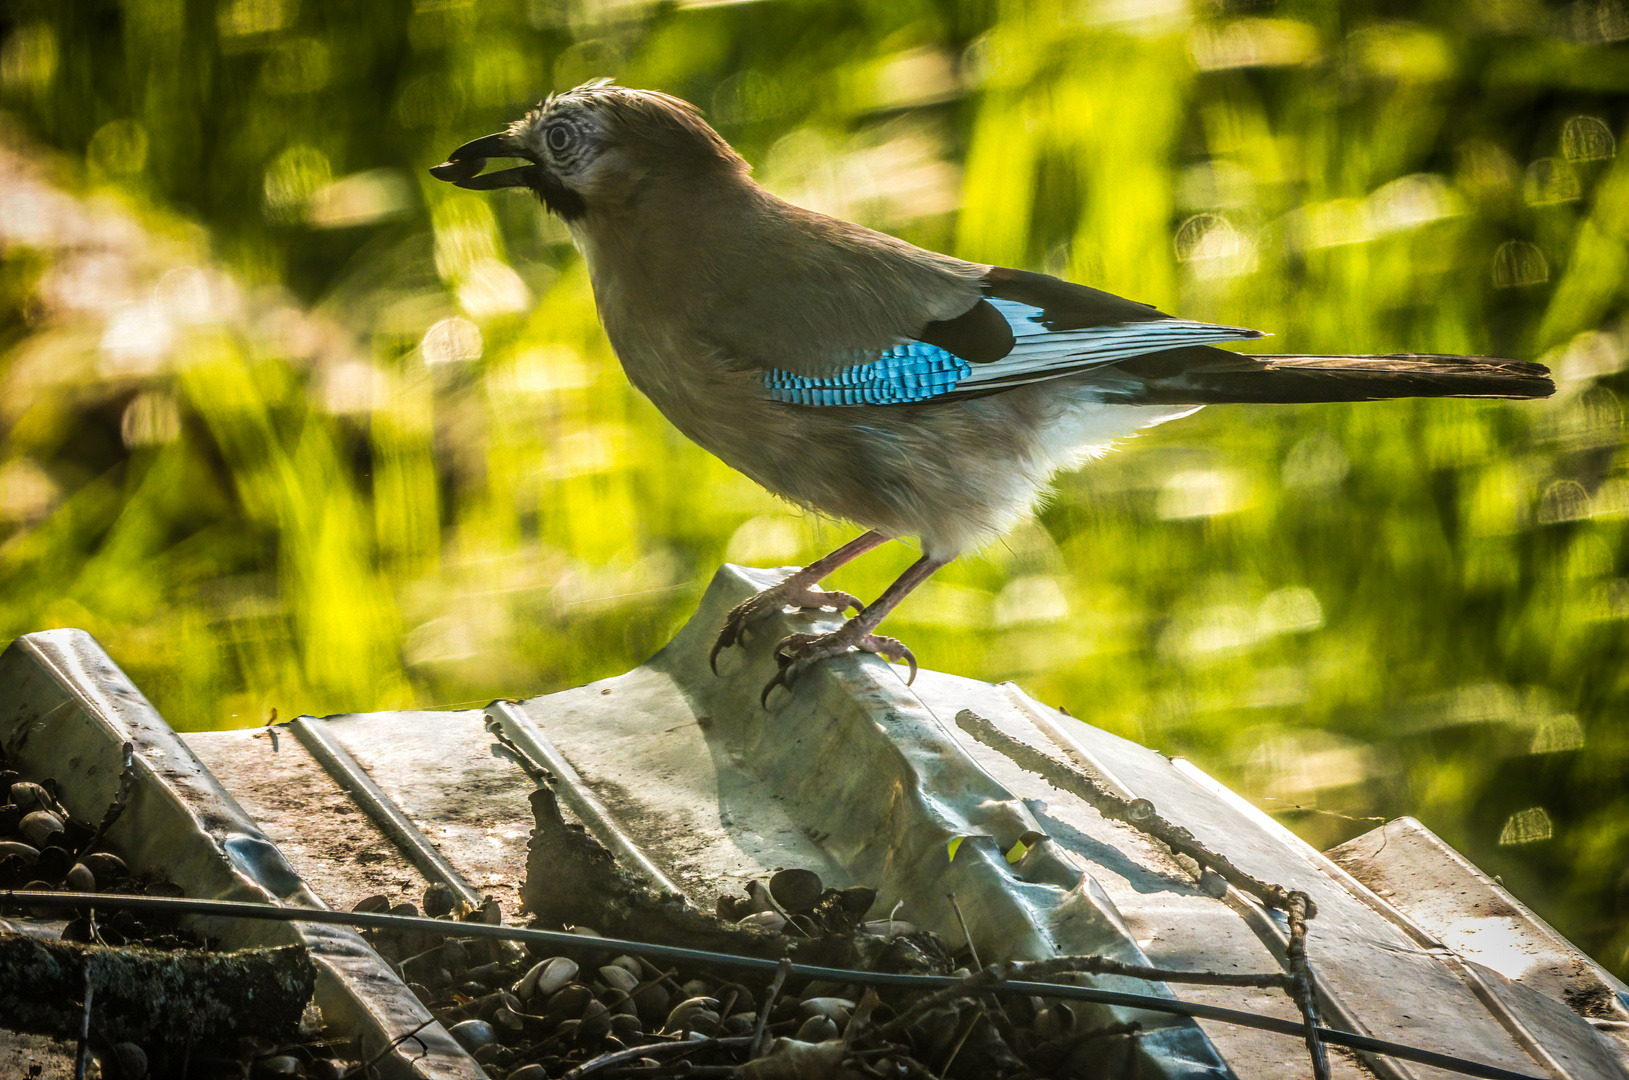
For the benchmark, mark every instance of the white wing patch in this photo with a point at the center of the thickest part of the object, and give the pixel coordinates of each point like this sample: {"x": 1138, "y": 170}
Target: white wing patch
{"x": 914, "y": 371}
{"x": 1041, "y": 353}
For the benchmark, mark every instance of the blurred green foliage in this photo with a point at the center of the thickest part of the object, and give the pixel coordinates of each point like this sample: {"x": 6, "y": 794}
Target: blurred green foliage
{"x": 288, "y": 425}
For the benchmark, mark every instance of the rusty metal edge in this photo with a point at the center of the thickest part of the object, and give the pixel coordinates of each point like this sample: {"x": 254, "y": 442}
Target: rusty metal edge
{"x": 57, "y": 677}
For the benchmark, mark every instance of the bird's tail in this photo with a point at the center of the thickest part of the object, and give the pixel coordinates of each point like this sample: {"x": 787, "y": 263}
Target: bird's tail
{"x": 1205, "y": 376}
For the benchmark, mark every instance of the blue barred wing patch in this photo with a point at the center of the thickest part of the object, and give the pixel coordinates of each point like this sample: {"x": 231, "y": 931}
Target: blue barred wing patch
{"x": 903, "y": 374}
{"x": 916, "y": 371}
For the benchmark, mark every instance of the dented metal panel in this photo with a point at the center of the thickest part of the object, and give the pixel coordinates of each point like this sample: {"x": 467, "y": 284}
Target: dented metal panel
{"x": 695, "y": 788}
{"x": 68, "y": 711}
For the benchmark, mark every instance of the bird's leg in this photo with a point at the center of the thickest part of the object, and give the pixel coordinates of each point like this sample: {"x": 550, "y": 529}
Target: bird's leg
{"x": 796, "y": 591}
{"x": 797, "y": 653}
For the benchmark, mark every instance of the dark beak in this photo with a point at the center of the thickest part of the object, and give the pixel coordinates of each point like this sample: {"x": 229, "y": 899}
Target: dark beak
{"x": 463, "y": 166}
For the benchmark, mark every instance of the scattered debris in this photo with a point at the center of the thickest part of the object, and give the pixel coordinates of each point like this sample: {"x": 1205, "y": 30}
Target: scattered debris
{"x": 141, "y": 994}
{"x": 586, "y": 1011}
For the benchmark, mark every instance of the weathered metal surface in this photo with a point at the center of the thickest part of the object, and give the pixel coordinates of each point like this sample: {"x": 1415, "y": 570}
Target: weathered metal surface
{"x": 337, "y": 850}
{"x": 345, "y": 771}
{"x": 68, "y": 711}
{"x": 696, "y": 788}
{"x": 1458, "y": 907}
{"x": 864, "y": 779}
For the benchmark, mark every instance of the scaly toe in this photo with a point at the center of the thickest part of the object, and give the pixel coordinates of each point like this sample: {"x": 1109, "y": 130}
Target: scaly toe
{"x": 762, "y": 605}
{"x": 892, "y": 649}
{"x": 797, "y": 653}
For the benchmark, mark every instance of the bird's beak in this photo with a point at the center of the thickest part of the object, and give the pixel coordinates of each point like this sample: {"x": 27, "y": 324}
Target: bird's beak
{"x": 463, "y": 166}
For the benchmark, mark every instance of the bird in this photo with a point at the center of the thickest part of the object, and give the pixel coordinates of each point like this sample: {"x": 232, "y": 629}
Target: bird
{"x": 918, "y": 395}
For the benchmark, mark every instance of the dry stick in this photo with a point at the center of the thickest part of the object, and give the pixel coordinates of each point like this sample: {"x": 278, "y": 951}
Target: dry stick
{"x": 758, "y": 1030}
{"x": 1006, "y": 1021}
{"x": 1140, "y": 815}
{"x": 633, "y": 1053}
{"x": 977, "y": 1019}
{"x": 966, "y": 933}
{"x": 1302, "y": 989}
{"x": 82, "y": 1054}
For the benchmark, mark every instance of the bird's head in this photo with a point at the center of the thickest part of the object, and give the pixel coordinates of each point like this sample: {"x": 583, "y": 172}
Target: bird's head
{"x": 596, "y": 147}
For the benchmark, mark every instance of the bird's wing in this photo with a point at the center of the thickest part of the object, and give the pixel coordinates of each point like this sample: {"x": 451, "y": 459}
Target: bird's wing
{"x": 1026, "y": 328}
{"x": 1030, "y": 328}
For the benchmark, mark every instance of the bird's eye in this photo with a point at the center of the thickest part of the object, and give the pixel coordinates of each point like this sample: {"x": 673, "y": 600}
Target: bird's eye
{"x": 559, "y": 137}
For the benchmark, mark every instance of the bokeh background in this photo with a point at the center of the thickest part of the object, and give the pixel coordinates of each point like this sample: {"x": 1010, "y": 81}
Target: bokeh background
{"x": 290, "y": 426}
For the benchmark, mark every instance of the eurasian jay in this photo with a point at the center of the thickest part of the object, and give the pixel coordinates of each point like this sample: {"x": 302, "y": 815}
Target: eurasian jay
{"x": 853, "y": 373}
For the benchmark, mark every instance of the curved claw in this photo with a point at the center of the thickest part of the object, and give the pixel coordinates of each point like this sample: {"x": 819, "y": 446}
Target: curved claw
{"x": 842, "y": 601}
{"x": 910, "y": 658}
{"x": 788, "y": 666}
{"x": 767, "y": 602}
{"x": 726, "y": 637}
{"x": 778, "y": 680}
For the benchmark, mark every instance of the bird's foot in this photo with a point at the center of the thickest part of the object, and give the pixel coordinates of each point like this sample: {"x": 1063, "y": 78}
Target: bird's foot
{"x": 761, "y": 606}
{"x": 797, "y": 653}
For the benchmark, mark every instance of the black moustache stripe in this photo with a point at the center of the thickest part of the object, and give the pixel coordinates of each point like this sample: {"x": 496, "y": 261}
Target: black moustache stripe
{"x": 558, "y": 198}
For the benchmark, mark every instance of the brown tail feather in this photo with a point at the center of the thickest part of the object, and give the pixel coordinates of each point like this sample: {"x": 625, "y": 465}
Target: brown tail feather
{"x": 1210, "y": 376}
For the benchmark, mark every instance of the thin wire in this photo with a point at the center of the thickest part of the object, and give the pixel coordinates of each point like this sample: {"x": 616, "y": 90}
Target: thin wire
{"x": 561, "y": 939}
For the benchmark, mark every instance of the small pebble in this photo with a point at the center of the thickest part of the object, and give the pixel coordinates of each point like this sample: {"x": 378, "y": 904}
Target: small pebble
{"x": 619, "y": 978}
{"x": 533, "y": 1071}
{"x": 439, "y": 899}
{"x": 857, "y": 900}
{"x": 652, "y": 1001}
{"x": 281, "y": 1065}
{"x": 370, "y": 904}
{"x": 764, "y": 920}
{"x": 494, "y": 1054}
{"x": 834, "y": 1008}
{"x": 493, "y": 975}
{"x": 30, "y": 796}
{"x": 26, "y": 852}
{"x": 105, "y": 865}
{"x": 796, "y": 890}
{"x": 473, "y": 1034}
{"x": 817, "y": 1029}
{"x": 40, "y": 826}
{"x": 595, "y": 1022}
{"x": 568, "y": 1002}
{"x": 80, "y": 879}
{"x": 546, "y": 977}
{"x": 694, "y": 1014}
